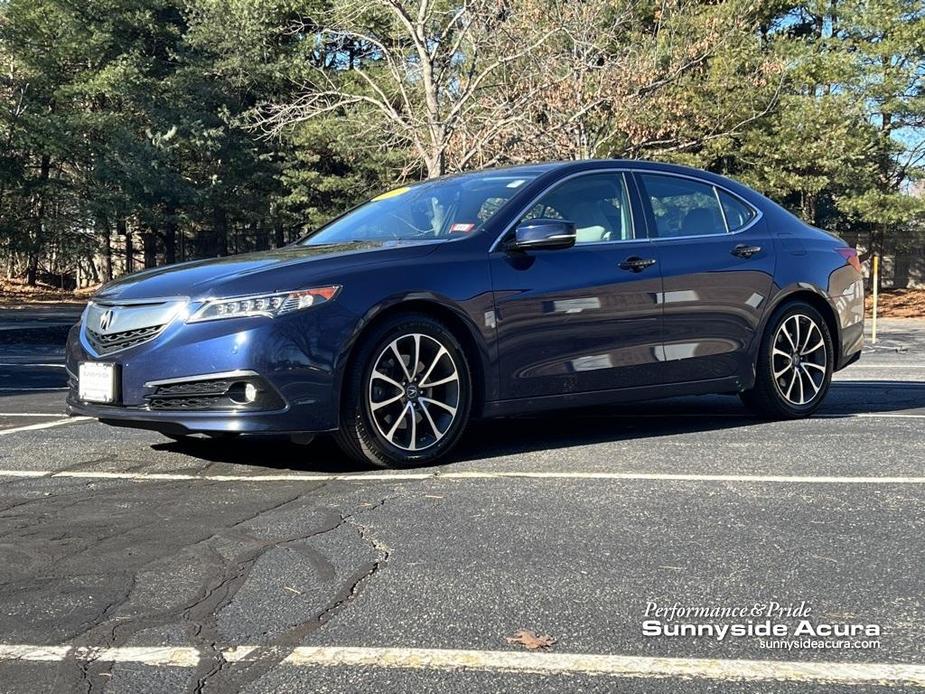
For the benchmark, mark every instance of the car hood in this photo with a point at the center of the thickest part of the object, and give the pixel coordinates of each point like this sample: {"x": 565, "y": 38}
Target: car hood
{"x": 282, "y": 269}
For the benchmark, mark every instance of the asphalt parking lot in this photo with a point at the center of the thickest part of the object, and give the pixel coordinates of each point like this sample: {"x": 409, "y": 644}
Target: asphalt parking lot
{"x": 130, "y": 562}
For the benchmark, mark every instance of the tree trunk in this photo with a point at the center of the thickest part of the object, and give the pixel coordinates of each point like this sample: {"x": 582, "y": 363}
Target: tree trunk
{"x": 39, "y": 225}
{"x": 279, "y": 233}
{"x": 170, "y": 236}
{"x": 106, "y": 236}
{"x": 149, "y": 239}
{"x": 91, "y": 266}
{"x": 32, "y": 269}
{"x": 220, "y": 231}
{"x": 261, "y": 237}
{"x": 123, "y": 230}
{"x": 436, "y": 165}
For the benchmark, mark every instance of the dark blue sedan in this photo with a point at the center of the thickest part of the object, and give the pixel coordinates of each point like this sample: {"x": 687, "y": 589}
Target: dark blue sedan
{"x": 490, "y": 293}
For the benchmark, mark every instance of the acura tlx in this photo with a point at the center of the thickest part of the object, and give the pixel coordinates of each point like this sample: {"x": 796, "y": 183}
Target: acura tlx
{"x": 484, "y": 294}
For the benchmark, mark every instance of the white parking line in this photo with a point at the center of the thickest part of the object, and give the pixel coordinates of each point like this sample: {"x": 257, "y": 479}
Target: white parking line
{"x": 740, "y": 415}
{"x": 32, "y": 414}
{"x": 619, "y": 666}
{"x": 870, "y": 415}
{"x": 43, "y": 425}
{"x": 29, "y": 363}
{"x": 869, "y": 365}
{"x": 25, "y": 390}
{"x": 401, "y": 476}
{"x": 734, "y": 415}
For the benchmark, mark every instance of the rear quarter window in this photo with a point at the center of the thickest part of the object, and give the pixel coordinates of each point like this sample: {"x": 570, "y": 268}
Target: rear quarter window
{"x": 738, "y": 213}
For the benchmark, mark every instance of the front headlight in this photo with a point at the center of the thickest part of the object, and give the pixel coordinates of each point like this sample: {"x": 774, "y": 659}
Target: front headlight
{"x": 270, "y": 305}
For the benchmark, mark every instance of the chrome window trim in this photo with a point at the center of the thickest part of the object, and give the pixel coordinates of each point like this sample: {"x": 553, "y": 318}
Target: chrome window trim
{"x": 201, "y": 377}
{"x": 625, "y": 170}
{"x": 756, "y": 211}
{"x": 526, "y": 208}
{"x": 754, "y": 220}
{"x": 722, "y": 212}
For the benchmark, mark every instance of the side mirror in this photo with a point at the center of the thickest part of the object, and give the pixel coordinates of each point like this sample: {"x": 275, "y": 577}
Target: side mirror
{"x": 543, "y": 234}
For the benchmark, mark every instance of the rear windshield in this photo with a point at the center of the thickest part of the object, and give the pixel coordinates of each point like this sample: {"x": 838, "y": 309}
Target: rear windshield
{"x": 445, "y": 208}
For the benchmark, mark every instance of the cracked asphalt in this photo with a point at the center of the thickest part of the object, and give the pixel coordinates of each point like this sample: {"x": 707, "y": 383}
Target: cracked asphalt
{"x": 448, "y": 561}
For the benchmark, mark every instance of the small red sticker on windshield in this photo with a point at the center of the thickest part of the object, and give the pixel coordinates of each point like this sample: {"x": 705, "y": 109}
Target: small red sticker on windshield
{"x": 462, "y": 228}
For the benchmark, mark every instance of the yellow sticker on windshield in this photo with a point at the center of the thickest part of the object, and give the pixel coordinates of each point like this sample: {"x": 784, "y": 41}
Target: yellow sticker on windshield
{"x": 391, "y": 194}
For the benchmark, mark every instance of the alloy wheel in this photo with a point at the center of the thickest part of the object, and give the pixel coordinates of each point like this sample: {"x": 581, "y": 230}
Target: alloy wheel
{"x": 414, "y": 392}
{"x": 799, "y": 360}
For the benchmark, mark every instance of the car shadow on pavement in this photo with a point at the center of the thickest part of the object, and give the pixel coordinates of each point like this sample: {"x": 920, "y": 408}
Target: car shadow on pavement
{"x": 268, "y": 452}
{"x": 497, "y": 438}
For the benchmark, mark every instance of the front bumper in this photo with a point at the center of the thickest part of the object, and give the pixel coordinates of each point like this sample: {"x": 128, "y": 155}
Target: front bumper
{"x": 297, "y": 355}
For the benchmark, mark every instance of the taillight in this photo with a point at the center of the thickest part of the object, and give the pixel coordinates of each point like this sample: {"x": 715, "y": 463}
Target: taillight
{"x": 851, "y": 256}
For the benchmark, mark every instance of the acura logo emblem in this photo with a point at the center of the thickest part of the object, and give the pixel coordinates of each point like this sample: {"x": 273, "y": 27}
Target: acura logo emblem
{"x": 106, "y": 319}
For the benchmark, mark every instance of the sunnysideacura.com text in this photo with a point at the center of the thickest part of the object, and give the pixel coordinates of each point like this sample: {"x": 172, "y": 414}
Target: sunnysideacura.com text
{"x": 774, "y": 625}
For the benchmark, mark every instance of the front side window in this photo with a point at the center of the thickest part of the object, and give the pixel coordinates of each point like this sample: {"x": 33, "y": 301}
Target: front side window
{"x": 682, "y": 206}
{"x": 441, "y": 209}
{"x": 598, "y": 204}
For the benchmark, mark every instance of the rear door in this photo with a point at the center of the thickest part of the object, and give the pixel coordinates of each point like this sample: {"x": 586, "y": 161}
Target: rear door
{"x": 717, "y": 263}
{"x": 584, "y": 318}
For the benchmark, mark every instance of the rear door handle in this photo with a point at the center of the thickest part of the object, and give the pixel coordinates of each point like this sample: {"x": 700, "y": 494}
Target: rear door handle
{"x": 745, "y": 251}
{"x": 636, "y": 264}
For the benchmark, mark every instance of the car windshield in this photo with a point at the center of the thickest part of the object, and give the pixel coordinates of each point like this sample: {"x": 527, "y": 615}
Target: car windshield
{"x": 446, "y": 208}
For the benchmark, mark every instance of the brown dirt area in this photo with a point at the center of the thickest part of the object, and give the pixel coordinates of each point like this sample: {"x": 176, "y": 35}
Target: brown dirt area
{"x": 899, "y": 303}
{"x": 16, "y": 293}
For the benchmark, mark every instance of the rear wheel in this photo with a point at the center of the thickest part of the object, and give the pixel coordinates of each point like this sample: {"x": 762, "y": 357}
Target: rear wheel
{"x": 407, "y": 396}
{"x": 795, "y": 364}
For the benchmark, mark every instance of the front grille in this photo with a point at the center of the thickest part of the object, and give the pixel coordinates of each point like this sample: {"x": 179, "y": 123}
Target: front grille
{"x": 113, "y": 342}
{"x": 113, "y": 326}
{"x": 194, "y": 388}
{"x": 190, "y": 403}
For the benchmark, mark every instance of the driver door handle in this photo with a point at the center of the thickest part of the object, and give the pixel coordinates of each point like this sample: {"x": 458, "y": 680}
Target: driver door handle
{"x": 636, "y": 264}
{"x": 745, "y": 251}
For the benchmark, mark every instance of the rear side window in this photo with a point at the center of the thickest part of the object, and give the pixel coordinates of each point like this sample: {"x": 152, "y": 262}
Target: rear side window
{"x": 682, "y": 206}
{"x": 738, "y": 214}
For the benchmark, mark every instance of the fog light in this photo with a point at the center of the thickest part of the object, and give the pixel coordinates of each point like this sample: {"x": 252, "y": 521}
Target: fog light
{"x": 243, "y": 393}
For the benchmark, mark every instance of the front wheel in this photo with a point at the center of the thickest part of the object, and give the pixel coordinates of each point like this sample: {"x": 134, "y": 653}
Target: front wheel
{"x": 407, "y": 395}
{"x": 795, "y": 364}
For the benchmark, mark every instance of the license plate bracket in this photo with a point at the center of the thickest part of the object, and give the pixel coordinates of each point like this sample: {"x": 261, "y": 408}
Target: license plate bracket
{"x": 98, "y": 382}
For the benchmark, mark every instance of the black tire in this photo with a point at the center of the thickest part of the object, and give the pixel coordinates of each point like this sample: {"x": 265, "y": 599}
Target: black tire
{"x": 793, "y": 393}
{"x": 364, "y": 430}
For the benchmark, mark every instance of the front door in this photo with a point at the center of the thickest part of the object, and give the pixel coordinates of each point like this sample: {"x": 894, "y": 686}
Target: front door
{"x": 585, "y": 318}
{"x": 717, "y": 264}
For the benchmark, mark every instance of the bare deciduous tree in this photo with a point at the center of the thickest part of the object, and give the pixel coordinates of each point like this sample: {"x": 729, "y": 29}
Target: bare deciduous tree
{"x": 617, "y": 82}
{"x": 422, "y": 69}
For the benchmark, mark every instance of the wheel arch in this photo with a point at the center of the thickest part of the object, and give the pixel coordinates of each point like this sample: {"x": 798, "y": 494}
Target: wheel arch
{"x": 819, "y": 301}
{"x": 455, "y": 319}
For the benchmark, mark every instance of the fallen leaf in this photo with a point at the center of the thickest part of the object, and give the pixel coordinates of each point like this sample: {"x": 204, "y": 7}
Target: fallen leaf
{"x": 531, "y": 640}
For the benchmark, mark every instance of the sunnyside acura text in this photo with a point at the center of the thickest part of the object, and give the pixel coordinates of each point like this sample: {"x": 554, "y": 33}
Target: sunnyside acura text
{"x": 490, "y": 293}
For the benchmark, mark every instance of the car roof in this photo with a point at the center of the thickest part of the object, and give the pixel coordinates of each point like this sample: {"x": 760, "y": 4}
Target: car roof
{"x": 538, "y": 168}
{"x": 576, "y": 166}
{"x": 587, "y": 164}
